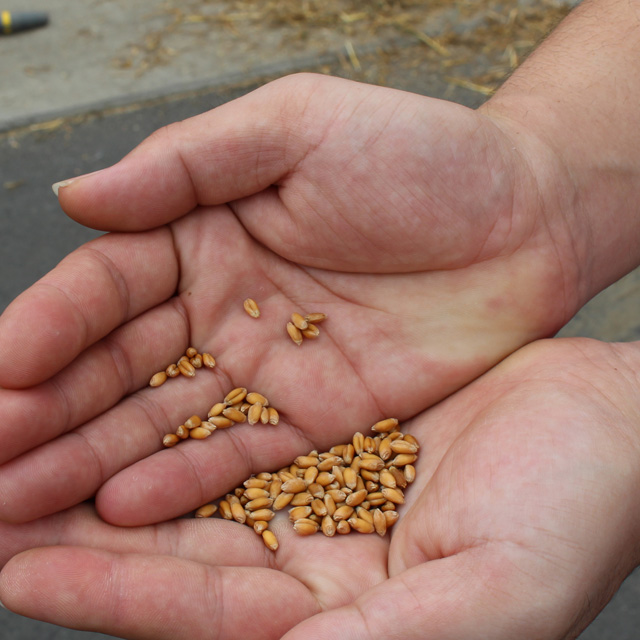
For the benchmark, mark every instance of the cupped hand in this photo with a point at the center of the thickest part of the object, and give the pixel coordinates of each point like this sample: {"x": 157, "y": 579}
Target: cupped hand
{"x": 426, "y": 231}
{"x": 522, "y": 522}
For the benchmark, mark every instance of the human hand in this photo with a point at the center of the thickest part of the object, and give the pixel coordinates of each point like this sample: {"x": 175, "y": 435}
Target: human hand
{"x": 522, "y": 522}
{"x": 416, "y": 224}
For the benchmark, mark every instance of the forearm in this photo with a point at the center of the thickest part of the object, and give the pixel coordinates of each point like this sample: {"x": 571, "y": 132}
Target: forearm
{"x": 579, "y": 95}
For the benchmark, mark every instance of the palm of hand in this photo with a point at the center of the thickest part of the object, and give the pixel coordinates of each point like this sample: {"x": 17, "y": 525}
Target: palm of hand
{"x": 415, "y": 311}
{"x": 524, "y": 500}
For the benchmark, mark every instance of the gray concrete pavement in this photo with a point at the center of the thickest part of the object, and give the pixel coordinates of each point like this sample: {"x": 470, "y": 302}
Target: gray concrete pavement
{"x": 100, "y": 57}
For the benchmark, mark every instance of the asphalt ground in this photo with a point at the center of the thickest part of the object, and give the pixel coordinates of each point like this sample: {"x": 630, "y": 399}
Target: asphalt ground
{"x": 64, "y": 141}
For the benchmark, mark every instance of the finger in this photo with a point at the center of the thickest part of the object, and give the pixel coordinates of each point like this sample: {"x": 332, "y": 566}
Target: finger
{"x": 91, "y": 292}
{"x": 155, "y": 597}
{"x": 94, "y": 382}
{"x": 230, "y": 152}
{"x": 479, "y": 593}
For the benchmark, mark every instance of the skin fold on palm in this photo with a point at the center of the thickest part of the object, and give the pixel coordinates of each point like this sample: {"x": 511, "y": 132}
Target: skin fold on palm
{"x": 522, "y": 522}
{"x": 429, "y": 254}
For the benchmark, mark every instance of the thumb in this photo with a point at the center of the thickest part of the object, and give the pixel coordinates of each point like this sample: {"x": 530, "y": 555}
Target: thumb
{"x": 230, "y": 152}
{"x": 475, "y": 594}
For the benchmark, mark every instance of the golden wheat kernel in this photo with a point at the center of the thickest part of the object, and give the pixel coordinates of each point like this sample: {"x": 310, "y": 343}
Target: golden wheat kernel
{"x": 285, "y": 474}
{"x": 355, "y": 464}
{"x": 398, "y": 475}
{"x": 187, "y": 369}
{"x": 387, "y": 479}
{"x": 225, "y": 510}
{"x": 295, "y": 470}
{"x": 208, "y": 360}
{"x": 350, "y": 478}
{"x": 330, "y": 503}
{"x": 296, "y": 513}
{"x": 206, "y": 510}
{"x": 336, "y": 471}
{"x": 386, "y": 425}
{"x": 301, "y": 499}
{"x": 328, "y": 526}
{"x": 316, "y": 490}
{"x": 305, "y": 527}
{"x": 335, "y": 485}
{"x": 371, "y": 486}
{"x": 359, "y": 483}
{"x": 220, "y": 422}
{"x": 253, "y": 493}
{"x": 251, "y": 307}
{"x": 158, "y": 379}
{"x": 325, "y": 478}
{"x": 259, "y": 503}
{"x": 315, "y": 317}
{"x": 393, "y": 495}
{"x": 356, "y": 498}
{"x": 391, "y": 517}
{"x": 244, "y": 407}
{"x": 343, "y": 512}
{"x": 387, "y": 506}
{"x": 379, "y": 522}
{"x": 403, "y": 446}
{"x": 234, "y": 414}
{"x": 217, "y": 409}
{"x": 282, "y": 500}
{"x": 254, "y": 482}
{"x": 409, "y": 473}
{"x": 235, "y": 396}
{"x": 403, "y": 458}
{"x": 311, "y": 332}
{"x": 360, "y": 525}
{"x": 376, "y": 499}
{"x": 294, "y": 333}
{"x": 275, "y": 486}
{"x": 384, "y": 450}
{"x": 182, "y": 432}
{"x": 190, "y": 352}
{"x": 336, "y": 450}
{"x": 328, "y": 463}
{"x": 358, "y": 443}
{"x": 237, "y": 511}
{"x": 259, "y": 526}
{"x": 319, "y": 507}
{"x": 232, "y": 498}
{"x": 369, "y": 445}
{"x": 304, "y": 462}
{"x": 298, "y": 321}
{"x": 253, "y": 414}
{"x": 407, "y": 437}
{"x": 270, "y": 540}
{"x": 338, "y": 495}
{"x": 316, "y": 518}
{"x": 274, "y": 416}
{"x": 366, "y": 475}
{"x": 371, "y": 464}
{"x": 192, "y": 422}
{"x": 264, "y": 416}
{"x": 343, "y": 527}
{"x": 263, "y": 514}
{"x": 253, "y": 397}
{"x": 172, "y": 371}
{"x": 249, "y": 521}
{"x": 170, "y": 439}
{"x": 348, "y": 454}
{"x": 364, "y": 513}
{"x": 294, "y": 485}
{"x": 310, "y": 475}
{"x": 196, "y": 361}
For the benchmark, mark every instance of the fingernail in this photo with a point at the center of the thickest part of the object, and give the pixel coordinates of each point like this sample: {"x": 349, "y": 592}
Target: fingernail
{"x": 59, "y": 185}
{"x": 1, "y": 605}
{"x": 56, "y": 186}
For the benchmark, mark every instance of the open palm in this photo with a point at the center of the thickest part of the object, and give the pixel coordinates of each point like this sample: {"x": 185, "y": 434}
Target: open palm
{"x": 414, "y": 224}
{"x": 524, "y": 500}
